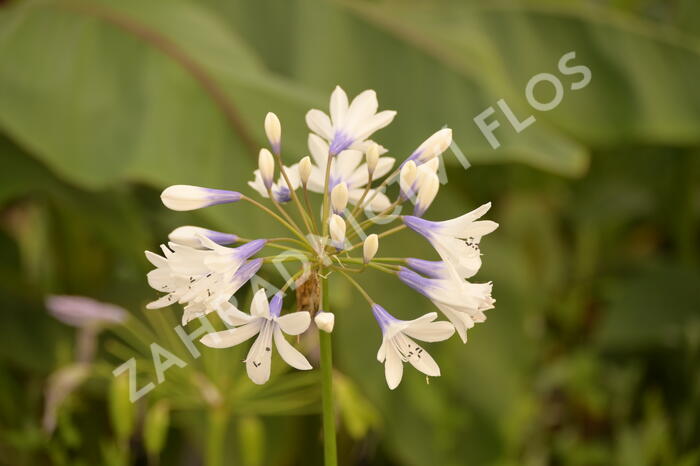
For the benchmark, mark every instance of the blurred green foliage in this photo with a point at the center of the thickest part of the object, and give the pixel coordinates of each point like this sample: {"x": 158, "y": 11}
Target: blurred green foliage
{"x": 592, "y": 355}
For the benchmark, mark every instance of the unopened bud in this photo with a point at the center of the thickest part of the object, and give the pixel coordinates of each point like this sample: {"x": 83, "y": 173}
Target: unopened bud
{"x": 266, "y": 164}
{"x": 370, "y": 247}
{"x": 372, "y": 156}
{"x": 186, "y": 197}
{"x": 426, "y": 194}
{"x": 407, "y": 177}
{"x": 339, "y": 198}
{"x": 325, "y": 321}
{"x": 337, "y": 229}
{"x": 305, "y": 170}
{"x": 433, "y": 146}
{"x": 273, "y": 130}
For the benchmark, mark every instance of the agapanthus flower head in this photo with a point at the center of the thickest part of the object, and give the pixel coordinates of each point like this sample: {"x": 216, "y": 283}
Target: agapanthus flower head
{"x": 354, "y": 180}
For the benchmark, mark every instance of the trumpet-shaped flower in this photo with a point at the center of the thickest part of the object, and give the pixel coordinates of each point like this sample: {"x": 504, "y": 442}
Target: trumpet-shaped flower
{"x": 456, "y": 240}
{"x": 349, "y": 124}
{"x": 347, "y": 169}
{"x": 280, "y": 189}
{"x": 398, "y": 347}
{"x": 265, "y": 321}
{"x": 463, "y": 303}
{"x": 203, "y": 279}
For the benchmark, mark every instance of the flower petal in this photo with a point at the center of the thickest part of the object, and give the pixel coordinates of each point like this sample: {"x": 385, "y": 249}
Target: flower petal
{"x": 319, "y": 123}
{"x": 290, "y": 355}
{"x": 393, "y": 367}
{"x": 259, "y": 359}
{"x": 232, "y": 315}
{"x": 232, "y": 337}
{"x": 421, "y": 360}
{"x": 430, "y": 331}
{"x": 260, "y": 307}
{"x": 338, "y": 106}
{"x": 295, "y": 322}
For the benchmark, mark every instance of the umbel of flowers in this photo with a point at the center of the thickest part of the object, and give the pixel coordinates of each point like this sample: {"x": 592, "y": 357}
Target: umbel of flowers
{"x": 202, "y": 269}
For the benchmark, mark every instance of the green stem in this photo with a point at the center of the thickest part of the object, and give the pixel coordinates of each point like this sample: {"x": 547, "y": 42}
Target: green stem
{"x": 289, "y": 227}
{"x": 330, "y": 454}
{"x": 218, "y": 422}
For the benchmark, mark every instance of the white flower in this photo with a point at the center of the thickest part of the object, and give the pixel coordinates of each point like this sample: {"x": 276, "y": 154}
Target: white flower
{"x": 265, "y": 321}
{"x": 186, "y": 197}
{"x": 203, "y": 279}
{"x": 398, "y": 347}
{"x": 462, "y": 302}
{"x": 273, "y": 131}
{"x": 346, "y": 168}
{"x": 325, "y": 321}
{"x": 456, "y": 240}
{"x": 407, "y": 179}
{"x": 189, "y": 236}
{"x": 280, "y": 190}
{"x": 349, "y": 123}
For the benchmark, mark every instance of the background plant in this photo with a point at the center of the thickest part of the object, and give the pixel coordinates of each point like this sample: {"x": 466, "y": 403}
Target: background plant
{"x": 591, "y": 356}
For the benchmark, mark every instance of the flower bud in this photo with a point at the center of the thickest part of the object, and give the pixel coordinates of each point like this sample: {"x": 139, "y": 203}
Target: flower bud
{"x": 426, "y": 194}
{"x": 407, "y": 177}
{"x": 186, "y": 197}
{"x": 305, "y": 170}
{"x": 372, "y": 156}
{"x": 189, "y": 236}
{"x": 433, "y": 146}
{"x": 266, "y": 164}
{"x": 325, "y": 321}
{"x": 339, "y": 198}
{"x": 370, "y": 247}
{"x": 337, "y": 229}
{"x": 273, "y": 130}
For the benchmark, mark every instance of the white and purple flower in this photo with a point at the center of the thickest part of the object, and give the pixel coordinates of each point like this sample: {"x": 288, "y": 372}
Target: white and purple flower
{"x": 350, "y": 124}
{"x": 462, "y": 302}
{"x": 203, "y": 279}
{"x": 398, "y": 346}
{"x": 456, "y": 240}
{"x": 265, "y": 321}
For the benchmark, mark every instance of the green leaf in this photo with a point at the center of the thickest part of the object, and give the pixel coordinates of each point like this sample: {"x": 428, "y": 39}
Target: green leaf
{"x": 157, "y": 91}
{"x": 155, "y": 427}
{"x": 656, "y": 306}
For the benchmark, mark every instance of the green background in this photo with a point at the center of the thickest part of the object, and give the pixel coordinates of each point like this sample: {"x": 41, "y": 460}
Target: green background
{"x": 592, "y": 354}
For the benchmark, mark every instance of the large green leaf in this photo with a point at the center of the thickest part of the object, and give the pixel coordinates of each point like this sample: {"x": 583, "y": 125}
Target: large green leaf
{"x": 152, "y": 91}
{"x": 445, "y": 62}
